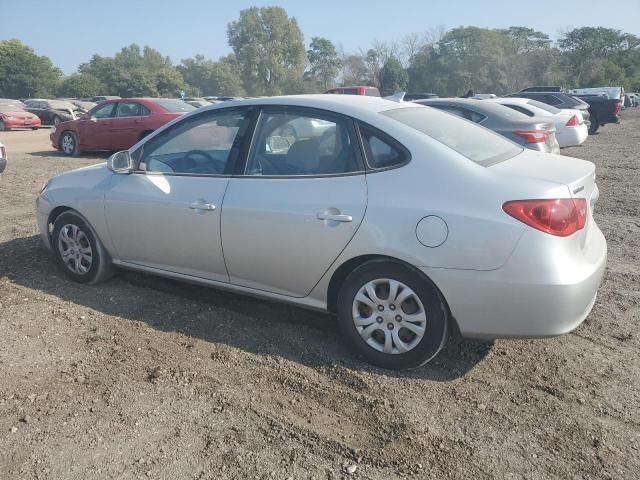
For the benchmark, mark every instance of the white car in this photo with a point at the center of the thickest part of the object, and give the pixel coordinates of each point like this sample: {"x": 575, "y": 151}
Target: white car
{"x": 571, "y": 129}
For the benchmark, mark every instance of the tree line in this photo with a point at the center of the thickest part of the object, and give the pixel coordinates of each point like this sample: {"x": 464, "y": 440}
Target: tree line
{"x": 269, "y": 57}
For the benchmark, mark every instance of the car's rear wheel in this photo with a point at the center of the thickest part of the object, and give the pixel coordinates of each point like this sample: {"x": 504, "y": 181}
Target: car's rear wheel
{"x": 69, "y": 144}
{"x": 34, "y": 128}
{"x": 57, "y": 120}
{"x": 78, "y": 250}
{"x": 3, "y": 127}
{"x": 393, "y": 315}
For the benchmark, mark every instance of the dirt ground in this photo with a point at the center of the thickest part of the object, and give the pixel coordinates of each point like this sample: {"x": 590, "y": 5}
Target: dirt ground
{"x": 148, "y": 378}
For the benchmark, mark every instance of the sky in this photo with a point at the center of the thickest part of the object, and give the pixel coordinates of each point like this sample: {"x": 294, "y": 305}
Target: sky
{"x": 71, "y": 31}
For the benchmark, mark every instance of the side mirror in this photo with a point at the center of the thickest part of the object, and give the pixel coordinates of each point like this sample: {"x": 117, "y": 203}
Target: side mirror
{"x": 120, "y": 162}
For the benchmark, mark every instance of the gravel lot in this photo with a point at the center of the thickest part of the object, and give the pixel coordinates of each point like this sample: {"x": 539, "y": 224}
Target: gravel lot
{"x": 148, "y": 378}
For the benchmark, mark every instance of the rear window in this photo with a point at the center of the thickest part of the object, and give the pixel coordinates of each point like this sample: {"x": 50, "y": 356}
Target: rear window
{"x": 544, "y": 106}
{"x": 174, "y": 105}
{"x": 372, "y": 92}
{"x": 474, "y": 142}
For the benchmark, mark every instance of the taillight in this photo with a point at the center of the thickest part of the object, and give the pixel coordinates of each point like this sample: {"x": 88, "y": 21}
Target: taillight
{"x": 560, "y": 216}
{"x": 573, "y": 121}
{"x": 617, "y": 107}
{"x": 533, "y": 136}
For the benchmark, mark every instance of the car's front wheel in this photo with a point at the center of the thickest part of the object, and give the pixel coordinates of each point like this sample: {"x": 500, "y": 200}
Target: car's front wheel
{"x": 69, "y": 144}
{"x": 78, "y": 250}
{"x": 393, "y": 315}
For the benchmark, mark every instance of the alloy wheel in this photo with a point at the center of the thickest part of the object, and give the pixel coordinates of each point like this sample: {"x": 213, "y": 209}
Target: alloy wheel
{"x": 68, "y": 143}
{"x": 75, "y": 249}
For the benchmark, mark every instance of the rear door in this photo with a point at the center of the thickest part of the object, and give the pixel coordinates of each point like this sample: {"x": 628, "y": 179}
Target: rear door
{"x": 127, "y": 124}
{"x": 297, "y": 204}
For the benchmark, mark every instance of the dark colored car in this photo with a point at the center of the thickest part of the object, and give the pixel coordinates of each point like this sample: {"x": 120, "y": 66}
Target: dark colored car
{"x": 547, "y": 88}
{"x": 602, "y": 109}
{"x": 14, "y": 116}
{"x": 116, "y": 124}
{"x": 52, "y": 112}
{"x": 535, "y": 133}
{"x": 357, "y": 90}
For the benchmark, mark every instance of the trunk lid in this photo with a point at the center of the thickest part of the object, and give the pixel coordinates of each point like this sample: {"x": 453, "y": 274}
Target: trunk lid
{"x": 579, "y": 176}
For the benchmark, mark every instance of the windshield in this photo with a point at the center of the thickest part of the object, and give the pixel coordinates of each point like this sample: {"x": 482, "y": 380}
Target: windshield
{"x": 474, "y": 142}
{"x": 173, "y": 105}
{"x": 10, "y": 108}
{"x": 544, "y": 106}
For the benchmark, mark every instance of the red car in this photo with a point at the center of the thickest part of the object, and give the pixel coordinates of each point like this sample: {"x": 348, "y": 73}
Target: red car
{"x": 14, "y": 116}
{"x": 116, "y": 124}
{"x": 359, "y": 90}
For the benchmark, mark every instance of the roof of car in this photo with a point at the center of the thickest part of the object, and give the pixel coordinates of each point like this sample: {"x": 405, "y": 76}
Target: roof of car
{"x": 345, "y": 104}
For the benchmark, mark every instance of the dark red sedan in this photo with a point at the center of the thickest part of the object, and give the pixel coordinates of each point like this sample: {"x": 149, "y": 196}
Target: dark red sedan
{"x": 116, "y": 124}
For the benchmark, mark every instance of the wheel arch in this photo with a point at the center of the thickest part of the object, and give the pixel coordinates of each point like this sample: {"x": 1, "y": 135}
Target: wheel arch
{"x": 342, "y": 272}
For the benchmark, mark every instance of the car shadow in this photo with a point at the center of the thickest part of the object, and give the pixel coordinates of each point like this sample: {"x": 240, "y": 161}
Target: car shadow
{"x": 85, "y": 155}
{"x": 216, "y": 316}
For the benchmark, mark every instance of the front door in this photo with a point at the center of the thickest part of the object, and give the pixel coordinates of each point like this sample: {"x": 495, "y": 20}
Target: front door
{"x": 166, "y": 215}
{"x": 300, "y": 201}
{"x": 93, "y": 127}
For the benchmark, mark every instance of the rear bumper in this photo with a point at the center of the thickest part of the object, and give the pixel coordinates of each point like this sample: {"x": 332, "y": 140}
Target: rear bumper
{"x": 529, "y": 296}
{"x": 573, "y": 136}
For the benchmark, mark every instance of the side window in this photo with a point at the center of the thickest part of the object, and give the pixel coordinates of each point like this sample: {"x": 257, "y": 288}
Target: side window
{"x": 298, "y": 144}
{"x": 199, "y": 145}
{"x": 381, "y": 151}
{"x": 104, "y": 111}
{"x": 131, "y": 109}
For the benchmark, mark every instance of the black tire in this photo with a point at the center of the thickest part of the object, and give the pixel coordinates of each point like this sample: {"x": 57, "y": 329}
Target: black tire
{"x": 34, "y": 128}
{"x": 100, "y": 267}
{"x": 56, "y": 120}
{"x": 73, "y": 150}
{"x": 3, "y": 127}
{"x": 437, "y": 314}
{"x": 593, "y": 127}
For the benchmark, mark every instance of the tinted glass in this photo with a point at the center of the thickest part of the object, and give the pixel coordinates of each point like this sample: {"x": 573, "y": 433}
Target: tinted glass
{"x": 291, "y": 144}
{"x": 350, "y": 91}
{"x": 474, "y": 142}
{"x": 104, "y": 111}
{"x": 174, "y": 105}
{"x": 200, "y": 145}
{"x": 519, "y": 108}
{"x": 381, "y": 151}
{"x": 552, "y": 100}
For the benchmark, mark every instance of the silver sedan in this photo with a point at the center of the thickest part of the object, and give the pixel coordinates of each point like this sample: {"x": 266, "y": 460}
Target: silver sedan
{"x": 406, "y": 222}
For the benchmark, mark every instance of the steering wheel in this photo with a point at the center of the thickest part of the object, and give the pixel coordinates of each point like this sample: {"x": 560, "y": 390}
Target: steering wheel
{"x": 190, "y": 164}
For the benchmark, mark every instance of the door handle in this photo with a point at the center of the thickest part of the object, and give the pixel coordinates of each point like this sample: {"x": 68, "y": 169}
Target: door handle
{"x": 202, "y": 206}
{"x": 335, "y": 217}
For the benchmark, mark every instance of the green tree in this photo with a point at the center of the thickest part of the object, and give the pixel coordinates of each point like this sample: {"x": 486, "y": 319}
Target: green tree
{"x": 136, "y": 72}
{"x": 207, "y": 77}
{"x": 324, "y": 61}
{"x": 81, "y": 85}
{"x": 23, "y": 73}
{"x": 529, "y": 58}
{"x": 269, "y": 49}
{"x": 393, "y": 77}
